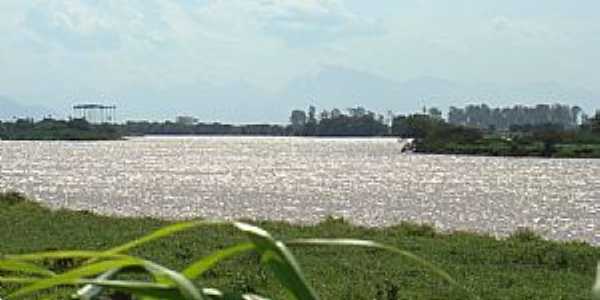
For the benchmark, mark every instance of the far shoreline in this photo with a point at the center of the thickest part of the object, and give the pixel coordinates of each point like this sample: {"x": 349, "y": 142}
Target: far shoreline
{"x": 484, "y": 152}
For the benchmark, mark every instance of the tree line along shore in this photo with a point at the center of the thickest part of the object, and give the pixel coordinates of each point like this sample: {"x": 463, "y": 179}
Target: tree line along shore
{"x": 521, "y": 266}
{"x": 542, "y": 130}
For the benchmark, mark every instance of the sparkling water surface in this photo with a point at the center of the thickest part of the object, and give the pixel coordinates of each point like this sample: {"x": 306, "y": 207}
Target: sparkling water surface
{"x": 368, "y": 181}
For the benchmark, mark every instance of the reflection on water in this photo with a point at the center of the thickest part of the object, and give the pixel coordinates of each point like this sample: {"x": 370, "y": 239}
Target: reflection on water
{"x": 304, "y": 179}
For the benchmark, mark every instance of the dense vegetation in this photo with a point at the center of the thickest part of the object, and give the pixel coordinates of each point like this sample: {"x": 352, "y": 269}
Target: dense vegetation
{"x": 174, "y": 128}
{"x": 434, "y": 135}
{"x": 484, "y": 117}
{"x": 543, "y": 130}
{"x": 522, "y": 266}
{"x": 50, "y": 129}
{"x": 357, "y": 122}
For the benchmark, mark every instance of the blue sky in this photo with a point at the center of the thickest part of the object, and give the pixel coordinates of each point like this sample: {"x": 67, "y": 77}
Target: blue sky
{"x": 54, "y": 51}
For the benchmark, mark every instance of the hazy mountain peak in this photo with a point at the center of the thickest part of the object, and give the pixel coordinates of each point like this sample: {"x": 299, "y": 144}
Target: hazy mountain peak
{"x": 10, "y": 109}
{"x": 336, "y": 86}
{"x": 332, "y": 86}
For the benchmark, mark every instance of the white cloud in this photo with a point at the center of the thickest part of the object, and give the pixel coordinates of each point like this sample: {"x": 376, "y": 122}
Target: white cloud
{"x": 310, "y": 23}
{"x": 71, "y": 24}
{"x": 107, "y": 25}
{"x": 298, "y": 23}
{"x": 60, "y": 45}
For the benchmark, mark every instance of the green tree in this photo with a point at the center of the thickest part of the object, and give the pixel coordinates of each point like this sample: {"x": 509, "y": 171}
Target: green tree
{"x": 324, "y": 115}
{"x": 414, "y": 126}
{"x": 310, "y": 129}
{"x": 312, "y": 114}
{"x": 79, "y": 124}
{"x": 549, "y": 134}
{"x": 298, "y": 120}
{"x": 435, "y": 113}
{"x": 595, "y": 123}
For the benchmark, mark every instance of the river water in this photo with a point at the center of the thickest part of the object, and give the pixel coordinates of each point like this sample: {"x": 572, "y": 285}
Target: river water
{"x": 367, "y": 181}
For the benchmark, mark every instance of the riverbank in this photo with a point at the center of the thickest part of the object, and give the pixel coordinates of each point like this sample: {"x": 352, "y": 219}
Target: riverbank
{"x": 59, "y": 130}
{"x": 508, "y": 148}
{"x": 522, "y": 266}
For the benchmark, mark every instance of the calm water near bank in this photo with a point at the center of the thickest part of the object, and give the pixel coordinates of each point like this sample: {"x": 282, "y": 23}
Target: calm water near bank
{"x": 367, "y": 181}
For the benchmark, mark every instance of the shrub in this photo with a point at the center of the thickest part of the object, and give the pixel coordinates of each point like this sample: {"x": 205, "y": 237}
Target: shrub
{"x": 524, "y": 234}
{"x": 12, "y": 198}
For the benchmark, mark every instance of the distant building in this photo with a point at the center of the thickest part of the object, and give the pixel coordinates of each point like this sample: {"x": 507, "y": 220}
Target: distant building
{"x": 95, "y": 113}
{"x": 186, "y": 120}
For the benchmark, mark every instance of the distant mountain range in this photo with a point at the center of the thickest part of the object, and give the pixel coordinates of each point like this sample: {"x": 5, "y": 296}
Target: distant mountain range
{"x": 335, "y": 86}
{"x": 9, "y": 109}
{"x": 331, "y": 86}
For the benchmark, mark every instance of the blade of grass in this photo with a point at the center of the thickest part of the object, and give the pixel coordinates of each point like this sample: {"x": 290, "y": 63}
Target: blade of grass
{"x": 136, "y": 288}
{"x": 280, "y": 260}
{"x": 74, "y": 275}
{"x": 164, "y": 276}
{"x": 18, "y": 280}
{"x": 214, "y": 294}
{"x": 197, "y": 268}
{"x": 596, "y": 288}
{"x": 251, "y": 297}
{"x": 159, "y": 234}
{"x": 237, "y": 296}
{"x": 211, "y": 293}
{"x": 374, "y": 245}
{"x": 63, "y": 254}
{"x": 185, "y": 286}
{"x": 23, "y": 267}
{"x": 91, "y": 291}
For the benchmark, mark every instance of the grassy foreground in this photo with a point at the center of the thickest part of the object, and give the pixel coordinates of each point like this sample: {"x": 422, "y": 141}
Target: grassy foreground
{"x": 521, "y": 267}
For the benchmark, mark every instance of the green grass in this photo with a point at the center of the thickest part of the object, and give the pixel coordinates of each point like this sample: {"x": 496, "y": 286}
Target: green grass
{"x": 521, "y": 267}
{"x": 579, "y": 151}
